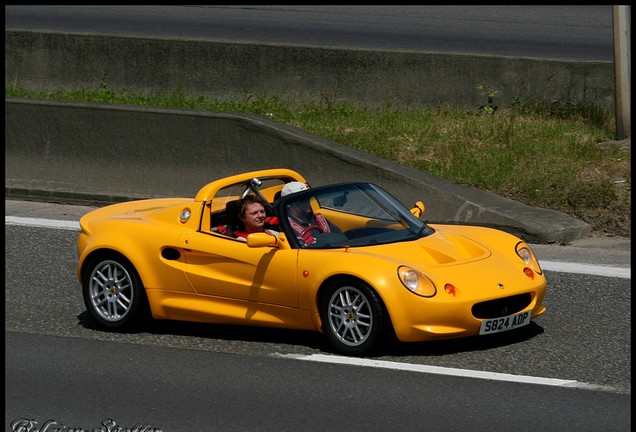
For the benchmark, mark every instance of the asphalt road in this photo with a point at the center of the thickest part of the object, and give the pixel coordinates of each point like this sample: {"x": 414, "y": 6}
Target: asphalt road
{"x": 547, "y": 31}
{"x": 182, "y": 377}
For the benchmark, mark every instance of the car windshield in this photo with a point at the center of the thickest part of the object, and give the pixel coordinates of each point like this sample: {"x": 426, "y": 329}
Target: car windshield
{"x": 347, "y": 215}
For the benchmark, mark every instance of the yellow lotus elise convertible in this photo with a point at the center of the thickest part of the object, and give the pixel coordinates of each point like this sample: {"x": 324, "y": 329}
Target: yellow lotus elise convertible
{"x": 369, "y": 268}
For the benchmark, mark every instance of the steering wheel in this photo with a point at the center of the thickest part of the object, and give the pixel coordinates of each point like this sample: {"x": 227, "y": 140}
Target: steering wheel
{"x": 309, "y": 228}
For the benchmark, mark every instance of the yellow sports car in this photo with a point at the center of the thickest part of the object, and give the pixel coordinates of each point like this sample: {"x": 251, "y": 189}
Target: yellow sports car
{"x": 264, "y": 249}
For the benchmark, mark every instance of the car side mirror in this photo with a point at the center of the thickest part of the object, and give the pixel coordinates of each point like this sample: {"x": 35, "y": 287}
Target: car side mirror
{"x": 418, "y": 209}
{"x": 257, "y": 240}
{"x": 261, "y": 239}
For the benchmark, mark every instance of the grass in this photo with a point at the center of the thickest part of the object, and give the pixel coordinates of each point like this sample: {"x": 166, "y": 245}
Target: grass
{"x": 560, "y": 156}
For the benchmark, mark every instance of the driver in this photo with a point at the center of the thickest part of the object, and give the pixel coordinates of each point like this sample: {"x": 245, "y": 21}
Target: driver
{"x": 252, "y": 214}
{"x": 303, "y": 220}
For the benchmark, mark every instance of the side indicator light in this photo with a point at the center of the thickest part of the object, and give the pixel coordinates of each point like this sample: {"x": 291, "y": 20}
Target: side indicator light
{"x": 450, "y": 289}
{"x": 528, "y": 272}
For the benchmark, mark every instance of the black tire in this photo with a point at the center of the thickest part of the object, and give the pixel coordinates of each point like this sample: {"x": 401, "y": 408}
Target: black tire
{"x": 353, "y": 318}
{"x": 114, "y": 294}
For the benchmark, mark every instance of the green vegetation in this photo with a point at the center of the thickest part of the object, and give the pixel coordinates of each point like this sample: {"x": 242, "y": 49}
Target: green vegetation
{"x": 560, "y": 156}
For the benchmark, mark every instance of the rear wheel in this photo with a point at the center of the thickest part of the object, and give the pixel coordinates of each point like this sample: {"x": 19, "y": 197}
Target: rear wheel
{"x": 353, "y": 318}
{"x": 113, "y": 293}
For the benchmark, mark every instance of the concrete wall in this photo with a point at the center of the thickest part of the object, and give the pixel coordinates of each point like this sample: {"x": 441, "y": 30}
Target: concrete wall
{"x": 41, "y": 60}
{"x": 106, "y": 153}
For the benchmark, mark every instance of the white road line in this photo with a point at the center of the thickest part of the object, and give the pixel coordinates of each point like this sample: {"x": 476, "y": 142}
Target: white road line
{"x": 42, "y": 223}
{"x": 437, "y": 370}
{"x": 566, "y": 267}
{"x": 557, "y": 266}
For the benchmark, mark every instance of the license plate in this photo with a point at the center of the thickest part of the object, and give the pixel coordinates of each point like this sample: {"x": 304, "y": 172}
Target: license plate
{"x": 510, "y": 322}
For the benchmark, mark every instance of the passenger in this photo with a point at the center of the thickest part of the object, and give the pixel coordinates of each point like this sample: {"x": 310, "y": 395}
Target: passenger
{"x": 252, "y": 214}
{"x": 303, "y": 220}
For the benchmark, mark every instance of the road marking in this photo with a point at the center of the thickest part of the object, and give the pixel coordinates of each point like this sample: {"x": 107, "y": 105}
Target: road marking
{"x": 567, "y": 267}
{"x": 437, "y": 370}
{"x": 557, "y": 266}
{"x": 42, "y": 223}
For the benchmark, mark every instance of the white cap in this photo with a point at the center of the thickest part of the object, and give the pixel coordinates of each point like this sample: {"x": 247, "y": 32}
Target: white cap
{"x": 293, "y": 187}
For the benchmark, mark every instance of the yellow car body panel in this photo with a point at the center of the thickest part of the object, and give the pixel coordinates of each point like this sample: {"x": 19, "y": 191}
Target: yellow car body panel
{"x": 207, "y": 192}
{"x": 416, "y": 318}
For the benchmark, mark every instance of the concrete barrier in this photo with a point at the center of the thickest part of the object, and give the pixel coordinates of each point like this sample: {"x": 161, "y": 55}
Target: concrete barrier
{"x": 87, "y": 152}
{"x": 38, "y": 60}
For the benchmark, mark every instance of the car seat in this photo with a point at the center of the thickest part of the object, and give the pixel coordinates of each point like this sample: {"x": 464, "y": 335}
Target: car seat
{"x": 232, "y": 220}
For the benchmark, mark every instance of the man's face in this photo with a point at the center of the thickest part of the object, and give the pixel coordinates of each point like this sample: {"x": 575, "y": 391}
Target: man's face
{"x": 301, "y": 210}
{"x": 254, "y": 218}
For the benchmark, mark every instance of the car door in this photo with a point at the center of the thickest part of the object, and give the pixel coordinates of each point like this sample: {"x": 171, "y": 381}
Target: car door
{"x": 223, "y": 267}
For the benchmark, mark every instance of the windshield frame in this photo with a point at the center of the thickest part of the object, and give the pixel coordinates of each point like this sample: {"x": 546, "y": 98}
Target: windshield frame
{"x": 386, "y": 219}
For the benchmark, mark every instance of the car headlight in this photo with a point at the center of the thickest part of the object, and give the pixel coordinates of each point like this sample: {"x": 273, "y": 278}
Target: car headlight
{"x": 526, "y": 254}
{"x": 416, "y": 282}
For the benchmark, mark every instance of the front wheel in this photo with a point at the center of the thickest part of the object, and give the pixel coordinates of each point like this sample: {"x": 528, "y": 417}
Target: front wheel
{"x": 113, "y": 293}
{"x": 353, "y": 318}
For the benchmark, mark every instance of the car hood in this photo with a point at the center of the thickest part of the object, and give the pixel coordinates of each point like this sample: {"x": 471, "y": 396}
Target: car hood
{"x": 440, "y": 248}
